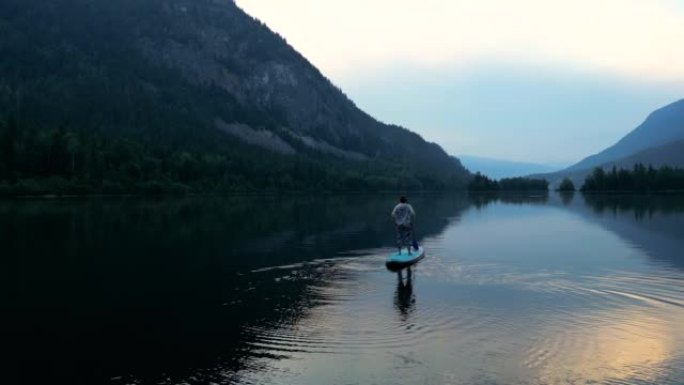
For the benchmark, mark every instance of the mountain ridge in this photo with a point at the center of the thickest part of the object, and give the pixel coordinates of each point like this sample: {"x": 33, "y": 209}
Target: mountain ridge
{"x": 198, "y": 77}
{"x": 658, "y": 141}
{"x": 664, "y": 125}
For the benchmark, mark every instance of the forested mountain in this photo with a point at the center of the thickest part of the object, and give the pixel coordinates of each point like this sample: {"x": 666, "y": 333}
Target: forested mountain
{"x": 658, "y": 141}
{"x": 670, "y": 154}
{"x": 663, "y": 126}
{"x": 119, "y": 95}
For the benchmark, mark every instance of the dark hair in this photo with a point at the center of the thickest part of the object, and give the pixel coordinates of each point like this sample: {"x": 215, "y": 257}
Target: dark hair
{"x": 402, "y": 199}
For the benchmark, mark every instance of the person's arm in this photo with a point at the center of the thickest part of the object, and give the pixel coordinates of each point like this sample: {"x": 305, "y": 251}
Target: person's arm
{"x": 413, "y": 213}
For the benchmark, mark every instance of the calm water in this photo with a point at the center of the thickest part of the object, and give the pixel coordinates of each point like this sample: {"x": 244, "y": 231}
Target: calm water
{"x": 267, "y": 290}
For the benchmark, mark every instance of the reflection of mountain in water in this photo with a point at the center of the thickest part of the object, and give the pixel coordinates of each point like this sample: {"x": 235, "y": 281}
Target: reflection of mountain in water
{"x": 654, "y": 223}
{"x": 146, "y": 288}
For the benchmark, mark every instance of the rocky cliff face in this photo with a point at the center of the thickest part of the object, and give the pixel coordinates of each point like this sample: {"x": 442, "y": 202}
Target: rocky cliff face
{"x": 215, "y": 44}
{"x": 197, "y": 73}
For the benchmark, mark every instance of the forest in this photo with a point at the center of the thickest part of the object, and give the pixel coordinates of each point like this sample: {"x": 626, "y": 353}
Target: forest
{"x": 639, "y": 179}
{"x": 88, "y": 107}
{"x": 65, "y": 161}
{"x": 482, "y": 183}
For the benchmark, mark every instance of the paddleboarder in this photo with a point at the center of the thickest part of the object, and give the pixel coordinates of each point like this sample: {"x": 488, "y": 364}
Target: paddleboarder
{"x": 404, "y": 215}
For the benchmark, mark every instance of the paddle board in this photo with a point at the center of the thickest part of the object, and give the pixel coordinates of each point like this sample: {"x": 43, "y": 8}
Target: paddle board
{"x": 399, "y": 260}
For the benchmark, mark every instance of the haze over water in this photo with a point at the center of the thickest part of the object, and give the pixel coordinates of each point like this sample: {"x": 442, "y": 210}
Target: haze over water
{"x": 293, "y": 290}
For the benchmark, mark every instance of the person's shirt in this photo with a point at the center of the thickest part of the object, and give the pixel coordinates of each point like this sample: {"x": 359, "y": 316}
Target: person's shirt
{"x": 403, "y": 214}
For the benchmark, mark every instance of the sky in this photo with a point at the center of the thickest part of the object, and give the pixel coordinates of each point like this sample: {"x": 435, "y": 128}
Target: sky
{"x": 543, "y": 81}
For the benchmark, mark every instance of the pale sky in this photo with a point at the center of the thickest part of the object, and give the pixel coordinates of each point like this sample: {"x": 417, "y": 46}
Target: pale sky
{"x": 527, "y": 80}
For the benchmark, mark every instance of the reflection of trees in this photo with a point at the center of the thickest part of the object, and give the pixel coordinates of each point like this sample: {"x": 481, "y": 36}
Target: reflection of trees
{"x": 172, "y": 277}
{"x": 567, "y": 197}
{"x": 653, "y": 222}
{"x": 481, "y": 200}
{"x": 639, "y": 205}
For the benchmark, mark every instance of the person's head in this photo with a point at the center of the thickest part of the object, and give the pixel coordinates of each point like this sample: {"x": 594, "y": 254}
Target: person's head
{"x": 403, "y": 199}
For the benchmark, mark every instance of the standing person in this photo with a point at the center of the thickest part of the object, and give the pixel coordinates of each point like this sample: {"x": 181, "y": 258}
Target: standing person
{"x": 403, "y": 216}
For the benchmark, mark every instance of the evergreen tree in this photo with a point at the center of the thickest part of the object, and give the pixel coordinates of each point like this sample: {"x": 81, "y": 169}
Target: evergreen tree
{"x": 481, "y": 182}
{"x": 566, "y": 185}
{"x": 639, "y": 179}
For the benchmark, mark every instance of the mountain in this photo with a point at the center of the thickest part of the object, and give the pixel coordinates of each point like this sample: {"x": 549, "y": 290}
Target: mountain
{"x": 658, "y": 141}
{"x": 498, "y": 168}
{"x": 663, "y": 126}
{"x": 670, "y": 154}
{"x": 193, "y": 93}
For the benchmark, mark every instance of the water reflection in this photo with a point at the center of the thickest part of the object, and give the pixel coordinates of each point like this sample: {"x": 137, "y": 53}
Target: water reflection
{"x": 567, "y": 197}
{"x": 404, "y": 299}
{"x": 652, "y": 223}
{"x": 481, "y": 200}
{"x": 523, "y": 289}
{"x": 640, "y": 206}
{"x": 629, "y": 347}
{"x": 144, "y": 290}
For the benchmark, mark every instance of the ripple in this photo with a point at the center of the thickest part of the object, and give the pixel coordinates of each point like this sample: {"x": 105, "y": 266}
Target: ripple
{"x": 361, "y": 260}
{"x": 333, "y": 328}
{"x": 563, "y": 328}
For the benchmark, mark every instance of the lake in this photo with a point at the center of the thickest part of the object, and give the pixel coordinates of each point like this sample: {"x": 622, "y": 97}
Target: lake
{"x": 293, "y": 290}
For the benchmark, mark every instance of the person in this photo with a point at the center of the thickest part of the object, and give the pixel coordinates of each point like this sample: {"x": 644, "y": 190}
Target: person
{"x": 404, "y": 216}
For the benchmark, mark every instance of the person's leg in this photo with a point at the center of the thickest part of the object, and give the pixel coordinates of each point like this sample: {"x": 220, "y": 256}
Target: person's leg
{"x": 406, "y": 238}
{"x": 412, "y": 240}
{"x": 399, "y": 239}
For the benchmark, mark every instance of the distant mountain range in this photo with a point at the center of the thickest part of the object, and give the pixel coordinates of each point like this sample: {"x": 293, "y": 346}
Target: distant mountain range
{"x": 658, "y": 141}
{"x": 499, "y": 168}
{"x": 196, "y": 92}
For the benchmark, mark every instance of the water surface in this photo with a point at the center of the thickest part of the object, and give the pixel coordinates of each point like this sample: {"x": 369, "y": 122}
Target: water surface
{"x": 293, "y": 290}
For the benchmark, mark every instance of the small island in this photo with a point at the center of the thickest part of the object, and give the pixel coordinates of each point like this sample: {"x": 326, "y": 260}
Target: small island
{"x": 566, "y": 186}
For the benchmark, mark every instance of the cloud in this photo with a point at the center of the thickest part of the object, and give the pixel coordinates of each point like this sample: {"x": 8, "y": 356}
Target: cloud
{"x": 633, "y": 38}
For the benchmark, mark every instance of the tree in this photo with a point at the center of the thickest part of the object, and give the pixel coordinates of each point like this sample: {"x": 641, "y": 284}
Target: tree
{"x": 482, "y": 183}
{"x": 639, "y": 179}
{"x": 566, "y": 185}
